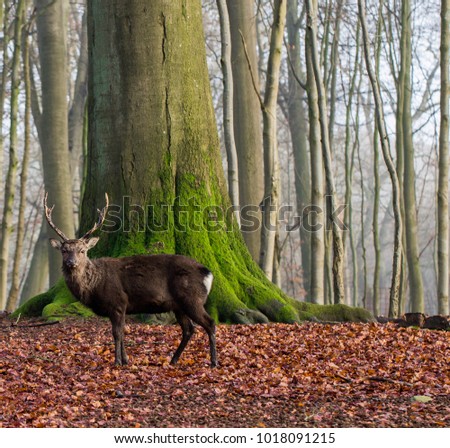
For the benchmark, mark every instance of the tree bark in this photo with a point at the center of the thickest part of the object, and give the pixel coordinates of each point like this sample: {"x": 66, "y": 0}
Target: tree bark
{"x": 442, "y": 195}
{"x": 247, "y": 120}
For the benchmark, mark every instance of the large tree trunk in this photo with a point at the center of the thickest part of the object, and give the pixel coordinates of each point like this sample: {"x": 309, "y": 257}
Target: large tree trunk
{"x": 51, "y": 30}
{"x": 247, "y": 119}
{"x": 153, "y": 142}
{"x": 443, "y": 272}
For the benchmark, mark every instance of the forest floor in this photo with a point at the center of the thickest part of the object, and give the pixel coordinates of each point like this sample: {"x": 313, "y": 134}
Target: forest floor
{"x": 272, "y": 375}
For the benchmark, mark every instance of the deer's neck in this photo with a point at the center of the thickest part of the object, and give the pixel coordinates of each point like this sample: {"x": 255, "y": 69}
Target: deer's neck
{"x": 82, "y": 281}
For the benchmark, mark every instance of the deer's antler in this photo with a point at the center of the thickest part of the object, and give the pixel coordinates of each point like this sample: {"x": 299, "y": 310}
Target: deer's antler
{"x": 101, "y": 219}
{"x": 48, "y": 215}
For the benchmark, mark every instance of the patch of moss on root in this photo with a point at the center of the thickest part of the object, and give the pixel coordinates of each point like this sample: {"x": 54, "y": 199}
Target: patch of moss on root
{"x": 57, "y": 302}
{"x": 333, "y": 313}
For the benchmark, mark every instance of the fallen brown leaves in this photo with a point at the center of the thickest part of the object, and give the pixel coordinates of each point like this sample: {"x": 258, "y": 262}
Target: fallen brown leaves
{"x": 347, "y": 375}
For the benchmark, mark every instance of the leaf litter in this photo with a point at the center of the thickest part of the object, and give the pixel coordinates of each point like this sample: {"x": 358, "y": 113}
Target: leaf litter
{"x": 269, "y": 375}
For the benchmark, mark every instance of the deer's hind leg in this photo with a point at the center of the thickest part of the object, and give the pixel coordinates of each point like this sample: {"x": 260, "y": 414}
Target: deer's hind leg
{"x": 199, "y": 315}
{"x": 188, "y": 330}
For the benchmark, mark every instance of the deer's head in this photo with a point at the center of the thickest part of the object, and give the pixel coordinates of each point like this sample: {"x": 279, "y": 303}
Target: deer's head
{"x": 74, "y": 252}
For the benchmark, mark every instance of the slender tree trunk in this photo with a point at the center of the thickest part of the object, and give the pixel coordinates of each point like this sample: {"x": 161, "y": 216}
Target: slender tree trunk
{"x": 330, "y": 77}
{"x": 338, "y": 249}
{"x": 51, "y": 29}
{"x": 76, "y": 118}
{"x": 13, "y": 298}
{"x": 271, "y": 162}
{"x": 349, "y": 164}
{"x": 247, "y": 120}
{"x": 442, "y": 249}
{"x": 353, "y": 245}
{"x": 416, "y": 293}
{"x": 37, "y": 276}
{"x": 314, "y": 217}
{"x": 376, "y": 178}
{"x": 397, "y": 253}
{"x": 298, "y": 130}
{"x": 400, "y": 163}
{"x": 10, "y": 184}
{"x": 363, "y": 232}
{"x": 4, "y": 7}
{"x": 228, "y": 113}
{"x": 334, "y": 62}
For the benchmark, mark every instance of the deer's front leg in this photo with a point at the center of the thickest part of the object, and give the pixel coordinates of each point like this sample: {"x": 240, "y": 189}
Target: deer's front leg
{"x": 118, "y": 323}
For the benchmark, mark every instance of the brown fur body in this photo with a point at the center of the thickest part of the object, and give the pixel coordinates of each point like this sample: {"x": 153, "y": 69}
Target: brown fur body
{"x": 114, "y": 287}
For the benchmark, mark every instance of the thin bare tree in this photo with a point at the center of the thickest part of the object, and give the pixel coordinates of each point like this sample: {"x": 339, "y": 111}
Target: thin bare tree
{"x": 271, "y": 162}
{"x": 381, "y": 125}
{"x": 228, "y": 113}
{"x": 338, "y": 248}
{"x": 442, "y": 195}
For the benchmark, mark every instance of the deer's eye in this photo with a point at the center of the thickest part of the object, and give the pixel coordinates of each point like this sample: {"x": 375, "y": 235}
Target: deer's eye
{"x": 83, "y": 251}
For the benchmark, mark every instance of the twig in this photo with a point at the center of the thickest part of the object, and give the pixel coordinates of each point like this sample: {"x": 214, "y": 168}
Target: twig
{"x": 386, "y": 380}
{"x": 17, "y": 320}
{"x": 372, "y": 378}
{"x": 38, "y": 324}
{"x": 291, "y": 65}
{"x": 41, "y": 324}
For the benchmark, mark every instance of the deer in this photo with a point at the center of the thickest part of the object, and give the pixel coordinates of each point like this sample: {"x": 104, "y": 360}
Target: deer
{"x": 149, "y": 284}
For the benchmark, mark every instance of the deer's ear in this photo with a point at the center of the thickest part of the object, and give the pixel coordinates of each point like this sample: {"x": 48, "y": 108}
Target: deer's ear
{"x": 91, "y": 242}
{"x": 55, "y": 243}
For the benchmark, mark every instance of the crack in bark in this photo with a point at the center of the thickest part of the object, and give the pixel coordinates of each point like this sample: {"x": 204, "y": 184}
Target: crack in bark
{"x": 164, "y": 39}
{"x": 168, "y": 122}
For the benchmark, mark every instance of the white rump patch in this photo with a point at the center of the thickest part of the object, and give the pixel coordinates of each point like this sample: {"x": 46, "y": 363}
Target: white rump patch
{"x": 207, "y": 281}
